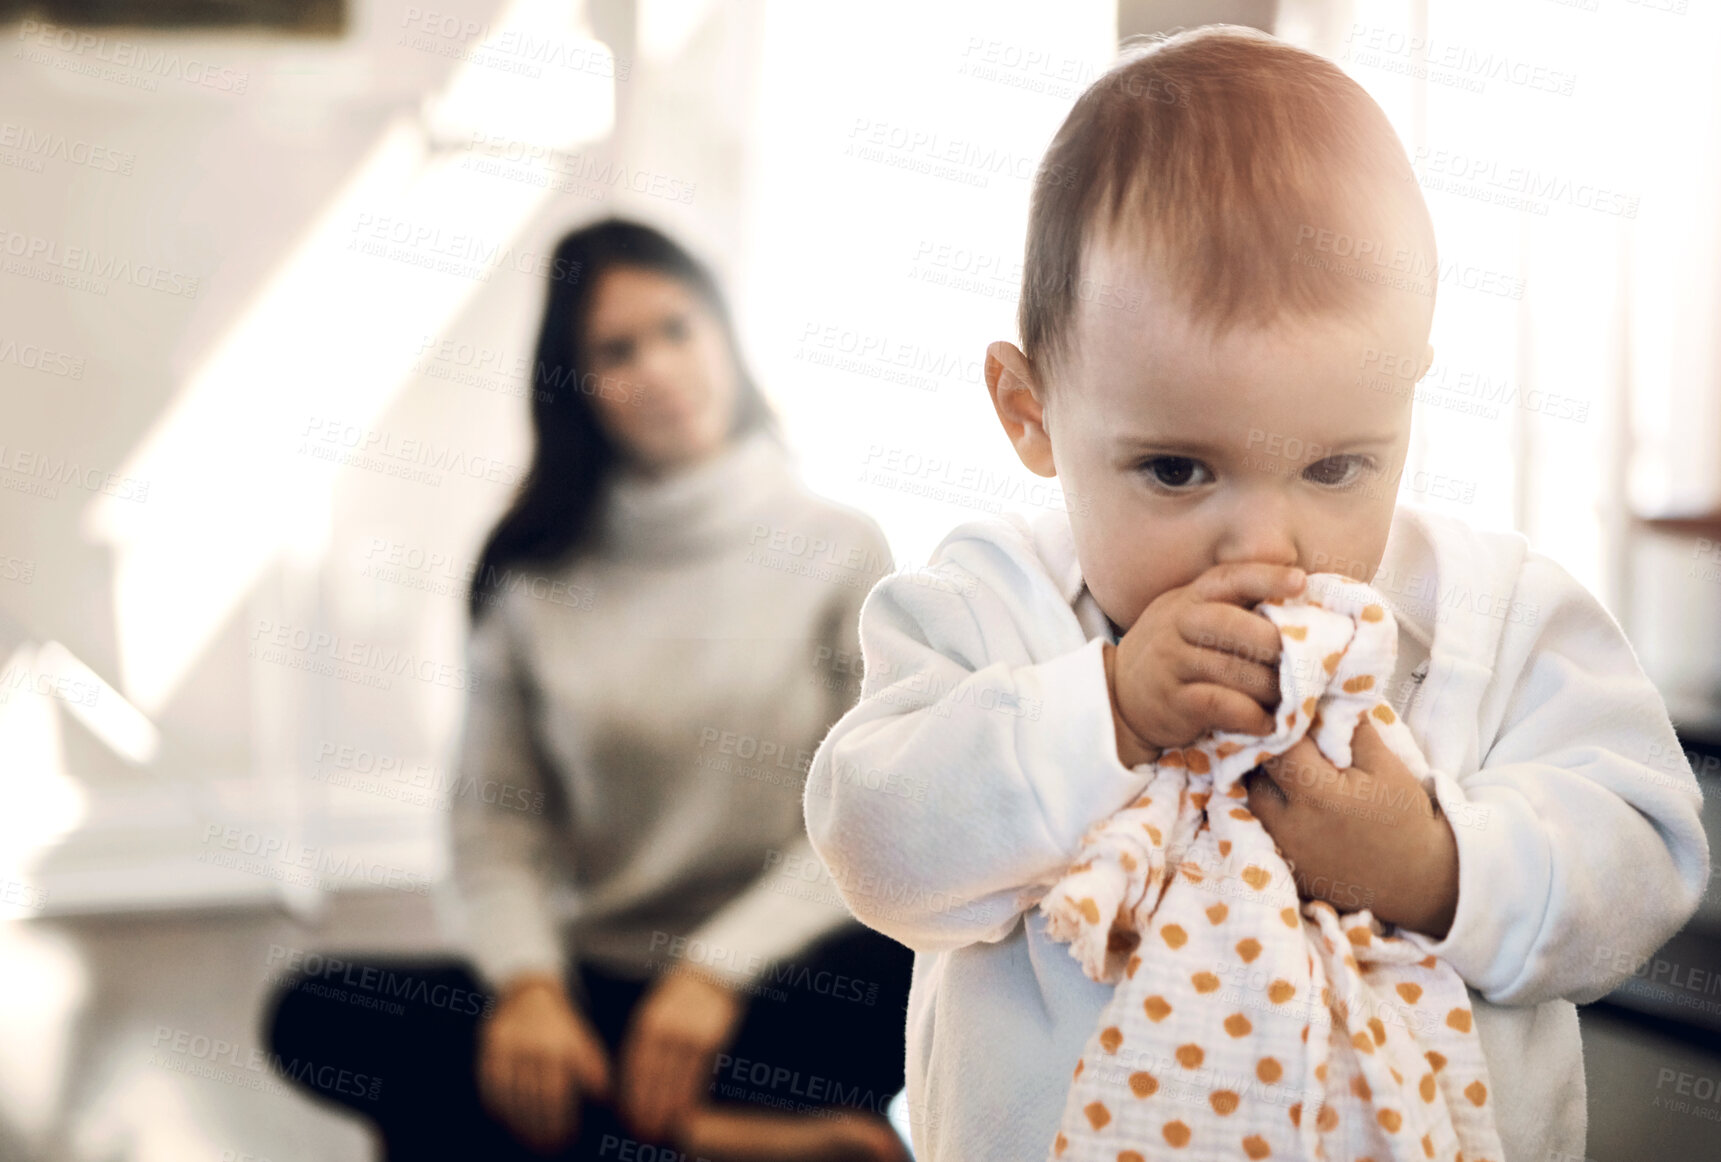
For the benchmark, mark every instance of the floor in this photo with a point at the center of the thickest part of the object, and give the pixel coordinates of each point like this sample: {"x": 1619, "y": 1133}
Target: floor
{"x": 125, "y": 1040}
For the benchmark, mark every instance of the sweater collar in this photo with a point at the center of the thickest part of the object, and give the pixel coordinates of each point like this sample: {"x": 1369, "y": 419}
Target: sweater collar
{"x": 692, "y": 510}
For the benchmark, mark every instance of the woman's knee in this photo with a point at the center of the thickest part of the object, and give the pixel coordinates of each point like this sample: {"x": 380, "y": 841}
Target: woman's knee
{"x": 288, "y": 1016}
{"x": 837, "y": 1011}
{"x": 881, "y": 967}
{"x": 393, "y": 1023}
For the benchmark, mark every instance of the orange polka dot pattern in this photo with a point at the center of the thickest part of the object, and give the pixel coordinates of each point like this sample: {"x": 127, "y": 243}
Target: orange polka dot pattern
{"x": 1246, "y": 1023}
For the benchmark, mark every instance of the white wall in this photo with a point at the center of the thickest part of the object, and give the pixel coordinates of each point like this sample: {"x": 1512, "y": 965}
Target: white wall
{"x": 214, "y": 406}
{"x": 198, "y": 401}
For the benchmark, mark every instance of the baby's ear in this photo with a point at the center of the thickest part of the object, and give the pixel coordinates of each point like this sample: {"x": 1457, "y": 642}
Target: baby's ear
{"x": 1019, "y": 401}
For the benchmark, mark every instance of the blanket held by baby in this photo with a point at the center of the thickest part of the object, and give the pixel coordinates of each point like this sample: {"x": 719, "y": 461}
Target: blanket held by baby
{"x": 1245, "y": 1023}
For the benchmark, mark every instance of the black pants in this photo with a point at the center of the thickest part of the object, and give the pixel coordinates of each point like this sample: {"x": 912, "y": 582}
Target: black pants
{"x": 395, "y": 1041}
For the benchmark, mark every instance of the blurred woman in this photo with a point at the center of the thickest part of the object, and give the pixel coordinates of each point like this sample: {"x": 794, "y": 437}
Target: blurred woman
{"x": 663, "y": 628}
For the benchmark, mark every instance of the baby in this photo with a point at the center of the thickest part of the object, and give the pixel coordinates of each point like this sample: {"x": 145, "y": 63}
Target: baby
{"x": 1246, "y": 234}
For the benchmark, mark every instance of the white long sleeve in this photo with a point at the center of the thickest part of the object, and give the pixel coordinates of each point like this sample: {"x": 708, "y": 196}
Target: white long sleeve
{"x": 1575, "y": 845}
{"x": 981, "y": 689}
{"x": 765, "y": 923}
{"x": 499, "y": 843}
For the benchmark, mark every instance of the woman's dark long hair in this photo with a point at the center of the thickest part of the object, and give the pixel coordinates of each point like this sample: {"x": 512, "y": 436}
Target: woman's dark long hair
{"x": 554, "y": 513}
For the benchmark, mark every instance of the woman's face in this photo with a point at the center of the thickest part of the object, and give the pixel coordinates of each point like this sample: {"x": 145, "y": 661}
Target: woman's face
{"x": 666, "y": 379}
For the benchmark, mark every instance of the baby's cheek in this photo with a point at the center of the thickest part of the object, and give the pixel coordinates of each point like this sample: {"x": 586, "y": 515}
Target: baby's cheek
{"x": 1125, "y": 566}
{"x": 1121, "y": 601}
{"x": 1135, "y": 581}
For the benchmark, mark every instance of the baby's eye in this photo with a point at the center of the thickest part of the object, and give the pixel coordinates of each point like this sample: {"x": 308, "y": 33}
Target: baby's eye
{"x": 1337, "y": 471}
{"x": 675, "y": 328}
{"x": 1173, "y": 472}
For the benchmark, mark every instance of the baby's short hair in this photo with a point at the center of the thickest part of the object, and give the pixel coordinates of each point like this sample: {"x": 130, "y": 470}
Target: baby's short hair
{"x": 1248, "y": 171}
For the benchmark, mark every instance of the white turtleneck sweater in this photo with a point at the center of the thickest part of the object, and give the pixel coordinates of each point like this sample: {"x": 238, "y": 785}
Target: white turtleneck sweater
{"x": 661, "y": 699}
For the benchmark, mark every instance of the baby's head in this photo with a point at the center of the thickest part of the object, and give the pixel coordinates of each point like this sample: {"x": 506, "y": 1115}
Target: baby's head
{"x": 1198, "y": 329}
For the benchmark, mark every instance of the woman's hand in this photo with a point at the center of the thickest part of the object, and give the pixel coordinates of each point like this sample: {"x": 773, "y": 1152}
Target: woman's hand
{"x": 681, "y": 1024}
{"x": 537, "y": 1057}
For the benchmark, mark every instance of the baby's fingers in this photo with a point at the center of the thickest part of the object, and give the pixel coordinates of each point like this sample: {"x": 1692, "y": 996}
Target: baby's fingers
{"x": 1213, "y": 625}
{"x": 1210, "y": 706}
{"x": 1303, "y": 768}
{"x": 1369, "y": 753}
{"x": 1246, "y": 583}
{"x": 1254, "y": 681}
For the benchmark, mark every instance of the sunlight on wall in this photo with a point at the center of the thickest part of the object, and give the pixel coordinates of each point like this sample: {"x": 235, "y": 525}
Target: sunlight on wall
{"x": 887, "y": 206}
{"x": 119, "y": 724}
{"x": 243, "y": 463}
{"x": 42, "y": 803}
{"x": 43, "y": 985}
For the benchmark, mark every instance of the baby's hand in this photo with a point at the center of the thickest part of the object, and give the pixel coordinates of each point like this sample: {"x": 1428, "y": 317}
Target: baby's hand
{"x": 1364, "y": 837}
{"x": 1198, "y": 659}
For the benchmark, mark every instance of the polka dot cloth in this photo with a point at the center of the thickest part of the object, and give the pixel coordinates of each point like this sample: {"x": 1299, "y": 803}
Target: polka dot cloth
{"x": 1246, "y": 1024}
